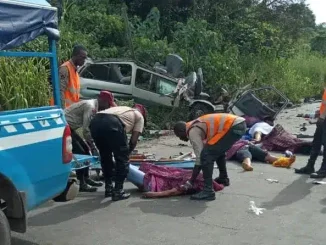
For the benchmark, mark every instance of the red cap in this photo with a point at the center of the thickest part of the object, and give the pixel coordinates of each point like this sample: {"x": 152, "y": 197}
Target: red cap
{"x": 107, "y": 96}
{"x": 141, "y": 109}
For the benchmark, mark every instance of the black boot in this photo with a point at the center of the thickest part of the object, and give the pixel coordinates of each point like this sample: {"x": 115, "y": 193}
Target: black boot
{"x": 118, "y": 192}
{"x": 83, "y": 187}
{"x": 108, "y": 188}
{"x": 321, "y": 173}
{"x": 208, "y": 193}
{"x": 222, "y": 181}
{"x": 223, "y": 177}
{"x": 308, "y": 169}
{"x": 91, "y": 182}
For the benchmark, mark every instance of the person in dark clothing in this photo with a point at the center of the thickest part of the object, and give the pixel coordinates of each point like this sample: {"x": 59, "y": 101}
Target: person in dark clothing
{"x": 79, "y": 116}
{"x": 318, "y": 141}
{"x": 250, "y": 152}
{"x": 109, "y": 130}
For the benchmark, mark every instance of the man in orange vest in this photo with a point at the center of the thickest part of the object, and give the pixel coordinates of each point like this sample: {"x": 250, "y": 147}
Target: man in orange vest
{"x": 69, "y": 78}
{"x": 318, "y": 141}
{"x": 210, "y": 136}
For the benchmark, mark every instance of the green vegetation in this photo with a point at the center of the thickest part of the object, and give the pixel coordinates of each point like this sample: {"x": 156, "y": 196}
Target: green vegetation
{"x": 274, "y": 42}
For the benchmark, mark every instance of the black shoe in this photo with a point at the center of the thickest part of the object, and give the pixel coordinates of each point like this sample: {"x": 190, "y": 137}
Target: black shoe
{"x": 87, "y": 188}
{"x": 305, "y": 170}
{"x": 108, "y": 190}
{"x": 93, "y": 183}
{"x": 118, "y": 195}
{"x": 208, "y": 193}
{"x": 320, "y": 174}
{"x": 222, "y": 181}
{"x": 204, "y": 196}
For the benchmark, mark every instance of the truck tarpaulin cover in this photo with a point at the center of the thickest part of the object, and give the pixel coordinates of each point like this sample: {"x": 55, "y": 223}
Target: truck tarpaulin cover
{"x": 22, "y": 21}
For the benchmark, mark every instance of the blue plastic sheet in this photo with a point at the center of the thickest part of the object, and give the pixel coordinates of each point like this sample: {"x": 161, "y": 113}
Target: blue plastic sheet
{"x": 24, "y": 20}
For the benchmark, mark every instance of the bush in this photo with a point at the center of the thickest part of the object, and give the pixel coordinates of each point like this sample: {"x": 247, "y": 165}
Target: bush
{"x": 23, "y": 83}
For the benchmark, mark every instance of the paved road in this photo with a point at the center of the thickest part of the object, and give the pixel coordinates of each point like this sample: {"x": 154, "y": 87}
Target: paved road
{"x": 296, "y": 211}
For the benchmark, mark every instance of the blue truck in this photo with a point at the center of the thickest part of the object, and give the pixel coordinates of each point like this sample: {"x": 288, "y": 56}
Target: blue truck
{"x": 35, "y": 144}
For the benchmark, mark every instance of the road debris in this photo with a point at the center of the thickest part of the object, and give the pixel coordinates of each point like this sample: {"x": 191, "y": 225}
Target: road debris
{"x": 253, "y": 208}
{"x": 319, "y": 182}
{"x": 272, "y": 181}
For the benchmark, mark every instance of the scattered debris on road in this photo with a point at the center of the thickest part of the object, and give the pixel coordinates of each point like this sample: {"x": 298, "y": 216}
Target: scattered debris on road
{"x": 255, "y": 209}
{"x": 272, "y": 181}
{"x": 319, "y": 182}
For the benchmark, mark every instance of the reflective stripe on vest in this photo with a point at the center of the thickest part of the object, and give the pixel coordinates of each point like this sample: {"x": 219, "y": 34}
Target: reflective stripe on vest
{"x": 217, "y": 124}
{"x": 323, "y": 103}
{"x": 71, "y": 94}
{"x": 73, "y": 87}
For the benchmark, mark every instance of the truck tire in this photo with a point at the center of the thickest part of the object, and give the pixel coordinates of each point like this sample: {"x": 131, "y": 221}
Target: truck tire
{"x": 5, "y": 234}
{"x": 71, "y": 191}
{"x": 198, "y": 110}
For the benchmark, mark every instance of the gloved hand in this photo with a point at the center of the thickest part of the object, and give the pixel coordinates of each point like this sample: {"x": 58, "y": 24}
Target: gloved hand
{"x": 187, "y": 186}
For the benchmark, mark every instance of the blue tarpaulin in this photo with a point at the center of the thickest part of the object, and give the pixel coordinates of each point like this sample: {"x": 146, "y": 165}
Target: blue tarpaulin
{"x": 22, "y": 21}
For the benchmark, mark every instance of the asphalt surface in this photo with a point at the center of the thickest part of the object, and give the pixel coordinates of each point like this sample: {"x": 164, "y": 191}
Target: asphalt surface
{"x": 295, "y": 210}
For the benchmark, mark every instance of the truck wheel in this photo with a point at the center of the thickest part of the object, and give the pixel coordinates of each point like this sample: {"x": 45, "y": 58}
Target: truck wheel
{"x": 70, "y": 193}
{"x": 198, "y": 110}
{"x": 5, "y": 235}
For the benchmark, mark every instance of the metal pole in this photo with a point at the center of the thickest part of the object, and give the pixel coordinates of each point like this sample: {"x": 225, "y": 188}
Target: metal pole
{"x": 54, "y": 72}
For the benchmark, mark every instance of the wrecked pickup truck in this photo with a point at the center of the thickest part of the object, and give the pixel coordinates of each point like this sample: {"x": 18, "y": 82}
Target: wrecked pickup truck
{"x": 165, "y": 85}
{"x": 261, "y": 102}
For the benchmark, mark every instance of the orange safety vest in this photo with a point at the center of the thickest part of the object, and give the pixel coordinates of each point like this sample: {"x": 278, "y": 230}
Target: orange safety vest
{"x": 323, "y": 103}
{"x": 217, "y": 124}
{"x": 73, "y": 87}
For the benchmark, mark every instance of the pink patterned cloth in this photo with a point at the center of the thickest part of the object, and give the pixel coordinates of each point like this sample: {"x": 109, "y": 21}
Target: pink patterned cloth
{"x": 163, "y": 178}
{"x": 236, "y": 146}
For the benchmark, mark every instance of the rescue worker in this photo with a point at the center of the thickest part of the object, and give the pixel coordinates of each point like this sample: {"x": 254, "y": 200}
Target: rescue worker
{"x": 109, "y": 129}
{"x": 69, "y": 78}
{"x": 319, "y": 140}
{"x": 79, "y": 115}
{"x": 210, "y": 136}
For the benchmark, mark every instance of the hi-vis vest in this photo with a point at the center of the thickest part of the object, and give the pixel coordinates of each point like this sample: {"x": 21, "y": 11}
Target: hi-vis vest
{"x": 73, "y": 87}
{"x": 323, "y": 103}
{"x": 217, "y": 124}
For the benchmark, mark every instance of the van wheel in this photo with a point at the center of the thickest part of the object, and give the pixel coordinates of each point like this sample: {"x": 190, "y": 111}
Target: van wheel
{"x": 70, "y": 193}
{"x": 198, "y": 110}
{"x": 5, "y": 234}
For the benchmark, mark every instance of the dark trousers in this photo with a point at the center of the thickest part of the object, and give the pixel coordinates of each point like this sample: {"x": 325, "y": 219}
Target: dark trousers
{"x": 110, "y": 138}
{"x": 79, "y": 146}
{"x": 212, "y": 153}
{"x": 318, "y": 141}
{"x": 252, "y": 152}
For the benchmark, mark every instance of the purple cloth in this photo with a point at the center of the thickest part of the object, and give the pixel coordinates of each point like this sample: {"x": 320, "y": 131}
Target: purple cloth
{"x": 162, "y": 178}
{"x": 281, "y": 140}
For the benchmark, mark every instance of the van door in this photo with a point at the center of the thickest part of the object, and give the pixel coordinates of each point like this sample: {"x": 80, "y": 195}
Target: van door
{"x": 152, "y": 89}
{"x": 115, "y": 77}
{"x": 260, "y": 103}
